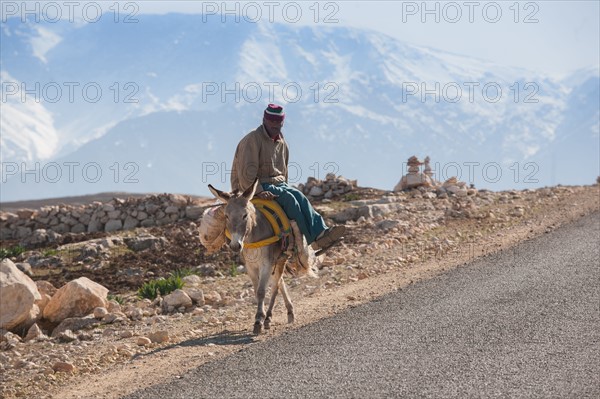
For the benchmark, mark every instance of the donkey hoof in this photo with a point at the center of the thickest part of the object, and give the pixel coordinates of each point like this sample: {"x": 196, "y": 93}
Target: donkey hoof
{"x": 290, "y": 318}
{"x": 257, "y": 328}
{"x": 267, "y": 324}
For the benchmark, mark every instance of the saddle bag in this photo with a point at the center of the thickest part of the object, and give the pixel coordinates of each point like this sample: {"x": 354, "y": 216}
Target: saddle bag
{"x": 212, "y": 229}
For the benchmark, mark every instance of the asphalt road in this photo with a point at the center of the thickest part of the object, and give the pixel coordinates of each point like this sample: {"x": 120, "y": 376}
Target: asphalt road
{"x": 523, "y": 323}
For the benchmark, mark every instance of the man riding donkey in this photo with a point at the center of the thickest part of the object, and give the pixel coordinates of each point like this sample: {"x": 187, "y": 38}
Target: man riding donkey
{"x": 259, "y": 175}
{"x": 263, "y": 154}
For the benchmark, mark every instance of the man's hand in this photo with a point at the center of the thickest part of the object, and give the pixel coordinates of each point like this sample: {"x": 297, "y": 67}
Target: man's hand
{"x": 266, "y": 195}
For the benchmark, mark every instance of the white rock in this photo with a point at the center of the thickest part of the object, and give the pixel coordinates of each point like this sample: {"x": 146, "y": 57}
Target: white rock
{"x": 113, "y": 306}
{"x": 18, "y": 294}
{"x": 212, "y": 298}
{"x": 39, "y": 236}
{"x": 6, "y": 337}
{"x": 351, "y": 213}
{"x": 143, "y": 341}
{"x": 135, "y": 314}
{"x": 76, "y": 298}
{"x": 413, "y": 180}
{"x": 315, "y": 191}
{"x": 176, "y": 299}
{"x": 116, "y": 317}
{"x": 25, "y": 268}
{"x": 457, "y": 190}
{"x": 192, "y": 280}
{"x": 100, "y": 312}
{"x": 196, "y": 294}
{"x": 108, "y": 242}
{"x": 198, "y": 311}
{"x": 34, "y": 333}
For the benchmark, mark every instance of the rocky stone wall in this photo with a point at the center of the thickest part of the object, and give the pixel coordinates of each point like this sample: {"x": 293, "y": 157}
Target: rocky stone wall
{"x": 333, "y": 186}
{"x": 36, "y": 227}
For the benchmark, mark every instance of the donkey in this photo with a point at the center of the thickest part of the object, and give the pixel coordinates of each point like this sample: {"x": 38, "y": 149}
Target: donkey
{"x": 247, "y": 225}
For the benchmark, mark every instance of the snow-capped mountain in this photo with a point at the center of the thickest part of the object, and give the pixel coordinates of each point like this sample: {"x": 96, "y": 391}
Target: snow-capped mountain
{"x": 179, "y": 92}
{"x": 28, "y": 130}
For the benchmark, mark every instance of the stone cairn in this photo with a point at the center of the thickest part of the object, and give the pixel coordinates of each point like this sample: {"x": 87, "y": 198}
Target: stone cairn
{"x": 332, "y": 186}
{"x": 458, "y": 188}
{"x": 37, "y": 227}
{"x": 414, "y": 179}
{"x": 428, "y": 171}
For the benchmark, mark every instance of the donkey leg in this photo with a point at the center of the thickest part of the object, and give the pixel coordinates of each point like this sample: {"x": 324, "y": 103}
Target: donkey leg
{"x": 263, "y": 281}
{"x": 254, "y": 274}
{"x": 274, "y": 291}
{"x": 288, "y": 303}
{"x": 276, "y": 280}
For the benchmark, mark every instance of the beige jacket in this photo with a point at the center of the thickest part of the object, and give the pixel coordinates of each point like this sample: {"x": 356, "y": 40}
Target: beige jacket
{"x": 257, "y": 155}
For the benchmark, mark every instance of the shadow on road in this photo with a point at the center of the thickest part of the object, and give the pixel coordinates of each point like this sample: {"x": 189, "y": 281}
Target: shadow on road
{"x": 224, "y": 337}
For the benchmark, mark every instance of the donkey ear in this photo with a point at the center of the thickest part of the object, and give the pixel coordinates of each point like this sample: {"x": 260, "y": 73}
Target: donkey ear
{"x": 219, "y": 194}
{"x": 249, "y": 193}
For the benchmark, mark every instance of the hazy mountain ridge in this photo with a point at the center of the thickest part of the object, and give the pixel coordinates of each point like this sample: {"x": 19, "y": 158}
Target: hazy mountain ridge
{"x": 374, "y": 126}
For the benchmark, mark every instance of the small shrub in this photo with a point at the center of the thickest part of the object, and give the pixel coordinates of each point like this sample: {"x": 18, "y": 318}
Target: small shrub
{"x": 233, "y": 271}
{"x": 163, "y": 286}
{"x": 11, "y": 252}
{"x": 351, "y": 197}
{"x": 117, "y": 298}
{"x": 181, "y": 273}
{"x": 50, "y": 252}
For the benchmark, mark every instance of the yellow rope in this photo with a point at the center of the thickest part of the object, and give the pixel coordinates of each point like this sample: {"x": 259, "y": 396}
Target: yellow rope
{"x": 265, "y": 206}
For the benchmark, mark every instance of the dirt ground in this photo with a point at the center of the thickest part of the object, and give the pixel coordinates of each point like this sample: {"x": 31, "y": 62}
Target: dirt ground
{"x": 370, "y": 263}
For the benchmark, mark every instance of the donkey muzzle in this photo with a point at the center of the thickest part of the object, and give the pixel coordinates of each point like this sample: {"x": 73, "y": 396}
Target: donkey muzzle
{"x": 237, "y": 243}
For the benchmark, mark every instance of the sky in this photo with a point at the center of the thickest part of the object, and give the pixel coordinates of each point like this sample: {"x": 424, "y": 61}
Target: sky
{"x": 556, "y": 37}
